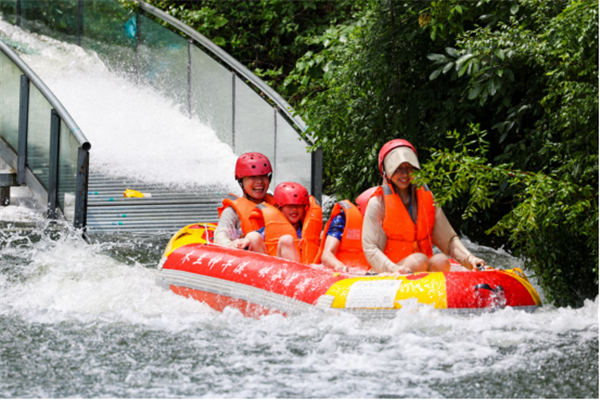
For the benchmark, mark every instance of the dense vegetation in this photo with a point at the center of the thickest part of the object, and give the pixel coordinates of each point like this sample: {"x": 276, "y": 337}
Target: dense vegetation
{"x": 500, "y": 98}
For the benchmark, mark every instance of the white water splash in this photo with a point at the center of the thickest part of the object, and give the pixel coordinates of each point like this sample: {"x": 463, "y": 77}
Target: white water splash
{"x": 135, "y": 132}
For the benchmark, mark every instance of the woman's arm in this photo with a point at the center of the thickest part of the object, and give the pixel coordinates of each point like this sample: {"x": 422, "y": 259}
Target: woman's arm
{"x": 228, "y": 229}
{"x": 328, "y": 257}
{"x": 446, "y": 239}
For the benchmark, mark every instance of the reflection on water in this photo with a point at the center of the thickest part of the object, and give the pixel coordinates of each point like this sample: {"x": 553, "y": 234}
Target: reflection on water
{"x": 86, "y": 319}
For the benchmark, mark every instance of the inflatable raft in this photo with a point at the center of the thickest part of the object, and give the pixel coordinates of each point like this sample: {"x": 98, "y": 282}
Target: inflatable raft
{"x": 258, "y": 284}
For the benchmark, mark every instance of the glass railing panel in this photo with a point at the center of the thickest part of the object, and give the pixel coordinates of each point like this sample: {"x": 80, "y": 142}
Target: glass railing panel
{"x": 110, "y": 29}
{"x": 57, "y": 18}
{"x": 163, "y": 60}
{"x": 8, "y": 11}
{"x": 38, "y": 135}
{"x": 212, "y": 97}
{"x": 254, "y": 122}
{"x": 292, "y": 161}
{"x": 67, "y": 172}
{"x": 10, "y": 78}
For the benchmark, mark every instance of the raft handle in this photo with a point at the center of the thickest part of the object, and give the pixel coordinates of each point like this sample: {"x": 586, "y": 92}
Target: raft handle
{"x": 488, "y": 287}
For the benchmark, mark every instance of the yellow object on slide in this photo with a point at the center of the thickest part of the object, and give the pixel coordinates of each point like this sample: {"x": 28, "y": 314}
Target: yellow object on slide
{"x": 135, "y": 193}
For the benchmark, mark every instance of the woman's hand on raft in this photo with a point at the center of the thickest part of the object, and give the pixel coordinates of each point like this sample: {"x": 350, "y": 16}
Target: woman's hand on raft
{"x": 472, "y": 262}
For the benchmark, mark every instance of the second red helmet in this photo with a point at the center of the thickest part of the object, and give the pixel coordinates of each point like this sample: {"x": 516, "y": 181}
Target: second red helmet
{"x": 251, "y": 164}
{"x": 290, "y": 193}
{"x": 363, "y": 199}
{"x": 389, "y": 146}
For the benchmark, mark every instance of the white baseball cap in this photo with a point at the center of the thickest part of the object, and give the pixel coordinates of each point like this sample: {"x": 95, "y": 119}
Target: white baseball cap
{"x": 398, "y": 156}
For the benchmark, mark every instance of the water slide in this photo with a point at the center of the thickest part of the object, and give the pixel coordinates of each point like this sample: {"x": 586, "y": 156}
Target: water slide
{"x": 164, "y": 110}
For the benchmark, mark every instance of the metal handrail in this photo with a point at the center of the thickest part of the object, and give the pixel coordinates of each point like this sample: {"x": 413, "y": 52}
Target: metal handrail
{"x": 227, "y": 59}
{"x": 56, "y": 104}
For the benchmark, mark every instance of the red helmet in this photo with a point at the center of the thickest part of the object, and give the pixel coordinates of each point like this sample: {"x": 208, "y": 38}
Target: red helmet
{"x": 363, "y": 199}
{"x": 389, "y": 146}
{"x": 290, "y": 193}
{"x": 251, "y": 164}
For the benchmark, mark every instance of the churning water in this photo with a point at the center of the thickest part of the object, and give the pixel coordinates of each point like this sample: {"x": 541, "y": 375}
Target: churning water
{"x": 85, "y": 319}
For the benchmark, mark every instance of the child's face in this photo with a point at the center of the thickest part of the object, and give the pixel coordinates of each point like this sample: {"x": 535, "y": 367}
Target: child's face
{"x": 256, "y": 186}
{"x": 294, "y": 212}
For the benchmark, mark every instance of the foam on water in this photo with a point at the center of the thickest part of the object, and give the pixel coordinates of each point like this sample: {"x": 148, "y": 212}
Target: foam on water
{"x": 98, "y": 303}
{"x": 134, "y": 131}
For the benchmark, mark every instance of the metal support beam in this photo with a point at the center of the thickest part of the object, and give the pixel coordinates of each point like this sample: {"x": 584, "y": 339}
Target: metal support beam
{"x": 138, "y": 26}
{"x": 8, "y": 178}
{"x": 233, "y": 112}
{"x": 316, "y": 183}
{"x": 19, "y": 8}
{"x": 189, "y": 78}
{"x": 23, "y": 118}
{"x": 275, "y": 112}
{"x": 79, "y": 22}
{"x": 81, "y": 194}
{"x": 53, "y": 165}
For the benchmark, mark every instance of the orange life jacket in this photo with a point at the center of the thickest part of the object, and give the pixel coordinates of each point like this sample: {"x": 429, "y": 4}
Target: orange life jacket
{"x": 243, "y": 207}
{"x": 350, "y": 250}
{"x": 403, "y": 236}
{"x": 276, "y": 225}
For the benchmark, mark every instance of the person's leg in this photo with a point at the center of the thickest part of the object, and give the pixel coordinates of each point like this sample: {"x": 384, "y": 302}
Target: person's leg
{"x": 417, "y": 262}
{"x": 286, "y": 249}
{"x": 439, "y": 263}
{"x": 256, "y": 243}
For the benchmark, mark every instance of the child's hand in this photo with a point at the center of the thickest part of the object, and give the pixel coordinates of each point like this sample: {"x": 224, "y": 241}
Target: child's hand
{"x": 240, "y": 243}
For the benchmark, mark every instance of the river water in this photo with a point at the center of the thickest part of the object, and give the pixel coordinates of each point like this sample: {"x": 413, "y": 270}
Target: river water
{"x": 85, "y": 319}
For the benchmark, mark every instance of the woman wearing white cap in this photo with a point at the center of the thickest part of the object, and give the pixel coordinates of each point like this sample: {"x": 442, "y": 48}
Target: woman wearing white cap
{"x": 402, "y": 223}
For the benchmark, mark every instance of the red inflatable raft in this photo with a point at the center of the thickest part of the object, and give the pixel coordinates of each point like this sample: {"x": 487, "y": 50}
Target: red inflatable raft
{"x": 258, "y": 284}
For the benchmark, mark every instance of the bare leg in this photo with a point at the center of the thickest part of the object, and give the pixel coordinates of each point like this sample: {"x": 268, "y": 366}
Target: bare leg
{"x": 256, "y": 243}
{"x": 286, "y": 248}
{"x": 417, "y": 262}
{"x": 439, "y": 263}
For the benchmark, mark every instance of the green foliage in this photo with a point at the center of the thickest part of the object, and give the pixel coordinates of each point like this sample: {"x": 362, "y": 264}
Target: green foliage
{"x": 554, "y": 222}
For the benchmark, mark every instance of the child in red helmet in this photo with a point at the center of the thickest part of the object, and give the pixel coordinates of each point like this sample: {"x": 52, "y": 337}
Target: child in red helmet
{"x": 289, "y": 228}
{"x": 402, "y": 223}
{"x": 253, "y": 172}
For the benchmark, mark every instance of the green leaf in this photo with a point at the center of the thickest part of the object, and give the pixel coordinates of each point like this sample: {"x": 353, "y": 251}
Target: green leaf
{"x": 452, "y": 52}
{"x": 448, "y": 67}
{"x": 464, "y": 58}
{"x": 476, "y": 91}
{"x": 514, "y": 9}
{"x": 435, "y": 73}
{"x": 463, "y": 69}
{"x": 492, "y": 87}
{"x": 510, "y": 74}
{"x": 438, "y": 58}
{"x": 219, "y": 41}
{"x": 500, "y": 54}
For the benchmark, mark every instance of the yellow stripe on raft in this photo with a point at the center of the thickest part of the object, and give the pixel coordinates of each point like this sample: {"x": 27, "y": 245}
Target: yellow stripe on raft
{"x": 350, "y": 293}
{"x": 518, "y": 274}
